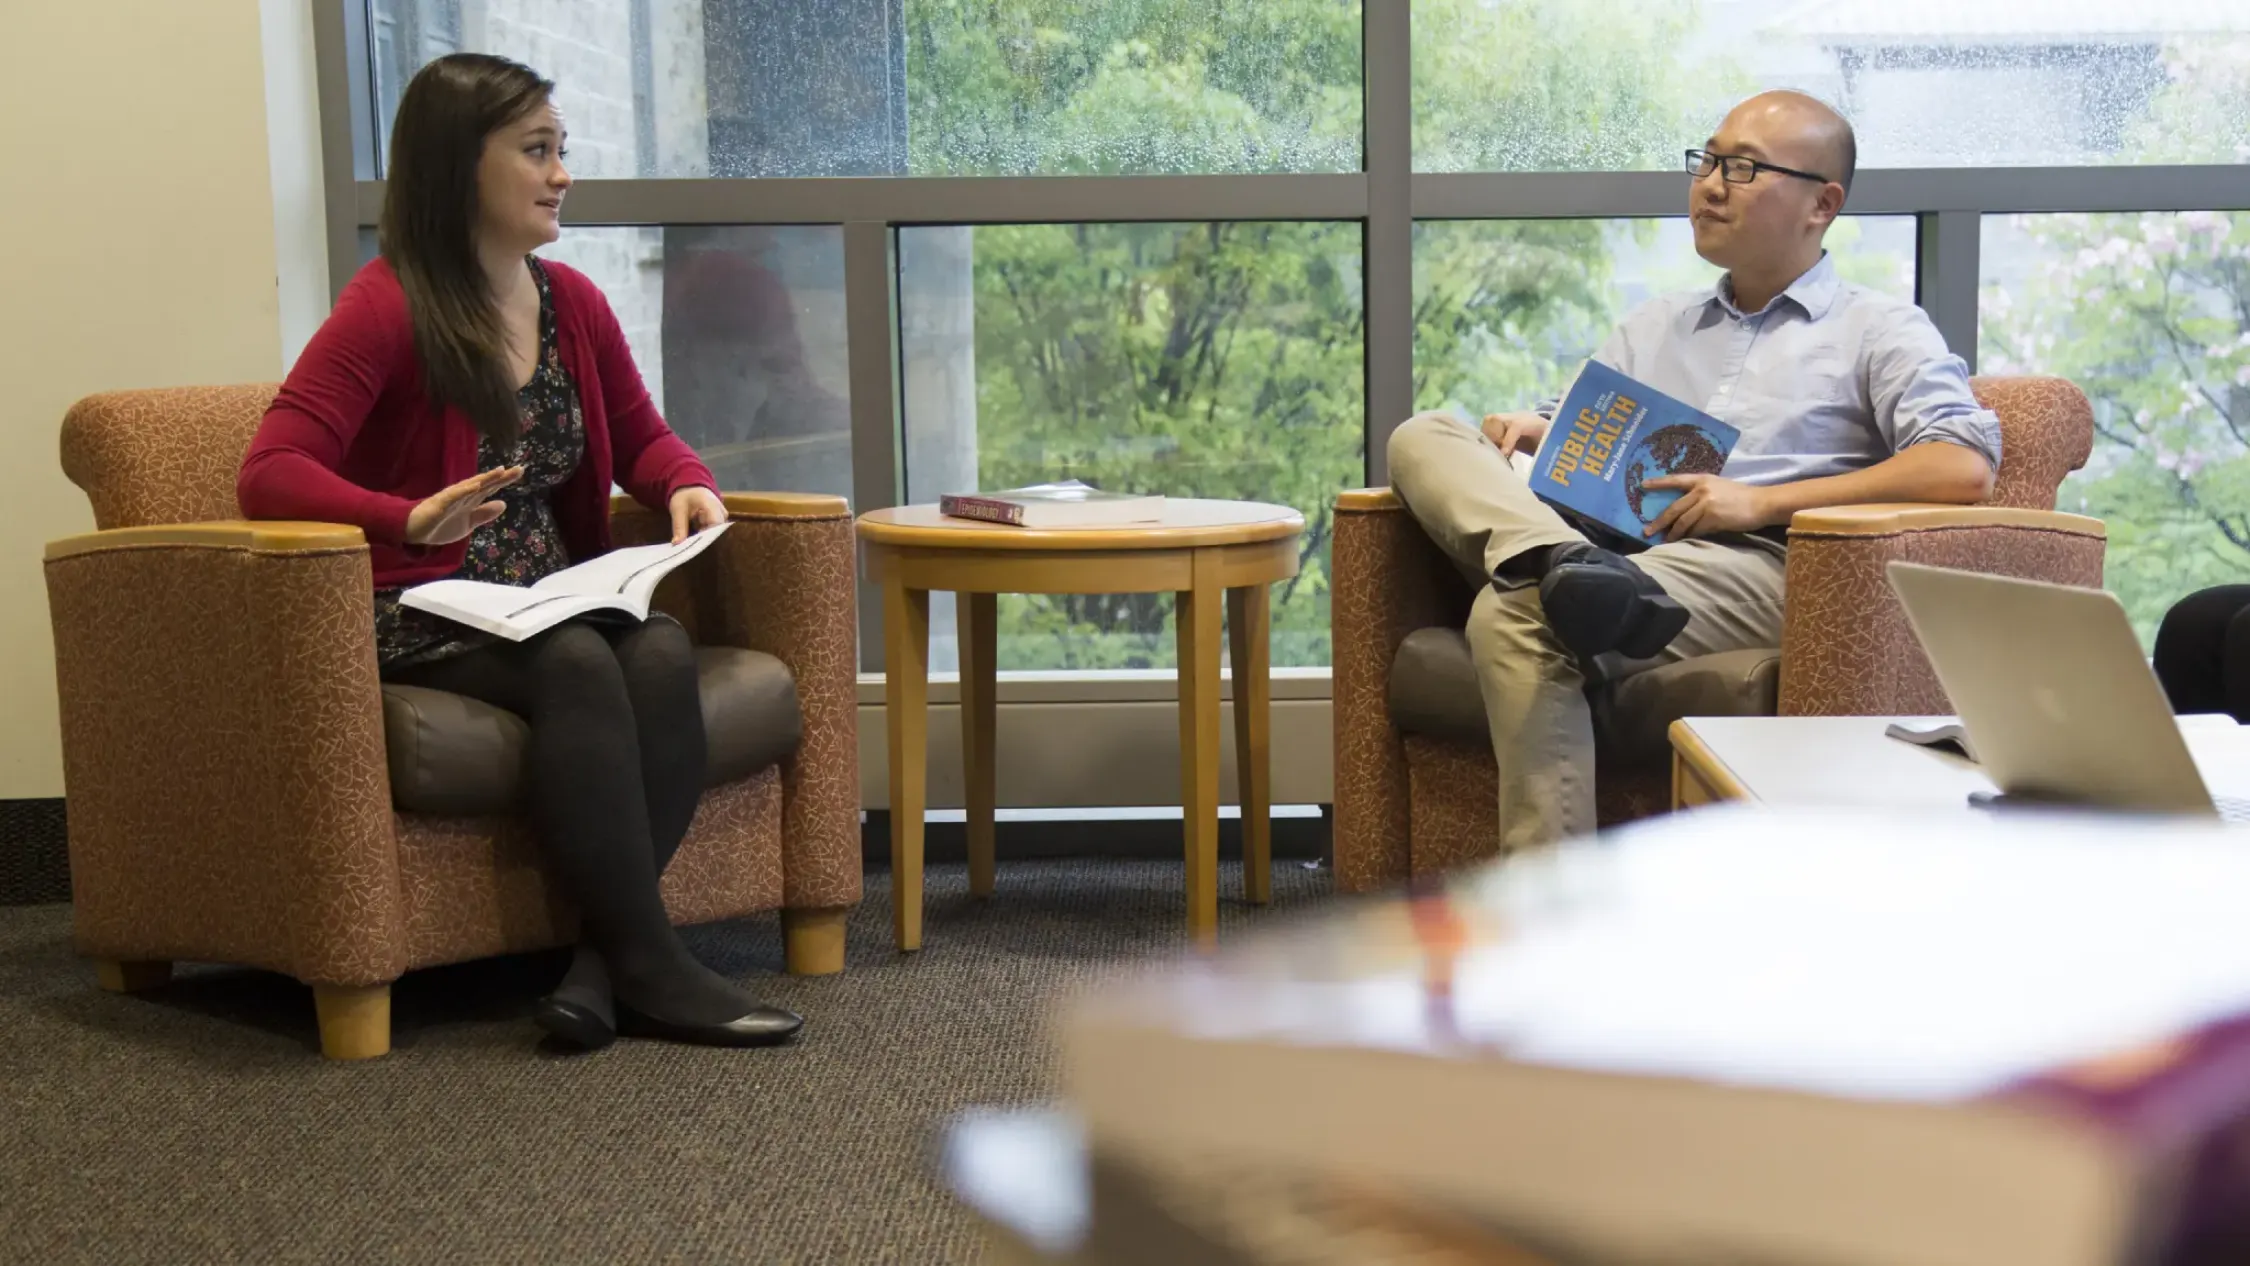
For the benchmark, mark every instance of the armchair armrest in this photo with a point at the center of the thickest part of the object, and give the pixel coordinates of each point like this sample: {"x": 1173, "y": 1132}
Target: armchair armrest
{"x": 782, "y": 581}
{"x": 222, "y": 733}
{"x": 1846, "y": 647}
{"x": 1387, "y": 581}
{"x": 255, "y": 536}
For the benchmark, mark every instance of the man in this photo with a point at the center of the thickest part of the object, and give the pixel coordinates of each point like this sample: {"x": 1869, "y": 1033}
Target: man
{"x": 1842, "y": 396}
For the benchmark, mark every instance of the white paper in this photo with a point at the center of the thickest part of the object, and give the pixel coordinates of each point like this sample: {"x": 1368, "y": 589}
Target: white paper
{"x": 1880, "y": 957}
{"x": 622, "y": 580}
{"x": 508, "y": 611}
{"x": 1920, "y": 957}
{"x": 632, "y": 572}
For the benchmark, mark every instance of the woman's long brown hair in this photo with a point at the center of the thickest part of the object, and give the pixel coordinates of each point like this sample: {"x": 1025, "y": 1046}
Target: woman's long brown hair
{"x": 428, "y": 228}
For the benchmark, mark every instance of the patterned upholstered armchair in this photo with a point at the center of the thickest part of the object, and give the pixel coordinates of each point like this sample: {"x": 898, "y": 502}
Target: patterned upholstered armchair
{"x": 243, "y": 789}
{"x": 1415, "y": 779}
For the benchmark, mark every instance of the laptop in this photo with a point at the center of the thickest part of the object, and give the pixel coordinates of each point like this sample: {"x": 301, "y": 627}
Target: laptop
{"x": 2054, "y": 693}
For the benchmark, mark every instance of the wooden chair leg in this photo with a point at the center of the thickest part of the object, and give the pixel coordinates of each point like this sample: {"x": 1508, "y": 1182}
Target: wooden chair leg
{"x": 813, "y": 941}
{"x": 124, "y": 976}
{"x": 354, "y": 1023}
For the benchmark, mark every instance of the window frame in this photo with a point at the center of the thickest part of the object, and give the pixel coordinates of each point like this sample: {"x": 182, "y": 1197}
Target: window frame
{"x": 1386, "y": 197}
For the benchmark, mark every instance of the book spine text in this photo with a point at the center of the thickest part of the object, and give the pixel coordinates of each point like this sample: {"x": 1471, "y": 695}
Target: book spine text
{"x": 983, "y": 508}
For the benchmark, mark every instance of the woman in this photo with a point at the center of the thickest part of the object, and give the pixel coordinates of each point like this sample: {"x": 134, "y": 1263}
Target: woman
{"x": 2203, "y": 652}
{"x": 468, "y": 406}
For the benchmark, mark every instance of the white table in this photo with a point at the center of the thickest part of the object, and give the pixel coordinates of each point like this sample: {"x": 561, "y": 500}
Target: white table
{"x": 1849, "y": 762}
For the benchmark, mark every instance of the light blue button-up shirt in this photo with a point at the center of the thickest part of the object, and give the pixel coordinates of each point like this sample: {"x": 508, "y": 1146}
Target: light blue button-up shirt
{"x": 1829, "y": 377}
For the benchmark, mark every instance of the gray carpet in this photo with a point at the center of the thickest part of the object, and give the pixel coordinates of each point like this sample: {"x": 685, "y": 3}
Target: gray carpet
{"x": 197, "y": 1123}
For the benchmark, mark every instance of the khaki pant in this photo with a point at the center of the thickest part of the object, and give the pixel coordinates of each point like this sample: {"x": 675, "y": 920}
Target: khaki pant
{"x": 1479, "y": 510}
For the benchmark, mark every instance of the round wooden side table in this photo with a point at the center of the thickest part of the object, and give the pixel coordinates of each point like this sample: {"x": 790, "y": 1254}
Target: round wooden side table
{"x": 1198, "y": 550}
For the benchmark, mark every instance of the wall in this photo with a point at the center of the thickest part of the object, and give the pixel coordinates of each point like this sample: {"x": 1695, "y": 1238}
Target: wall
{"x": 300, "y": 212}
{"x": 139, "y": 251}
{"x": 1068, "y": 742}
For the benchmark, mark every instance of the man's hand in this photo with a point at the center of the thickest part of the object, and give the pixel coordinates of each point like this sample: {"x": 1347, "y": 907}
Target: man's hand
{"x": 1707, "y": 505}
{"x": 694, "y": 509}
{"x": 1513, "y": 431}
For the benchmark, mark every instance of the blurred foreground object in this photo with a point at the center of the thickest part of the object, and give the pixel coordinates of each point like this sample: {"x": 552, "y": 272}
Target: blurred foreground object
{"x": 1737, "y": 1035}
{"x": 1043, "y": 1197}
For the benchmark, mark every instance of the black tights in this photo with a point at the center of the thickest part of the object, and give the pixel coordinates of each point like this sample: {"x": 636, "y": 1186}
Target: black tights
{"x": 2203, "y": 652}
{"x": 612, "y": 774}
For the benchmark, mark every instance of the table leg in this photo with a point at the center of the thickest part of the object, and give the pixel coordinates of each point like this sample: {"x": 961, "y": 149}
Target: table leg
{"x": 1198, "y": 620}
{"x": 906, "y": 718}
{"x": 979, "y": 629}
{"x": 1249, "y": 636}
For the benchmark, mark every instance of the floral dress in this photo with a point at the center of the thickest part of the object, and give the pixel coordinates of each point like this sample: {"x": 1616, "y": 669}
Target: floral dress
{"x": 525, "y": 543}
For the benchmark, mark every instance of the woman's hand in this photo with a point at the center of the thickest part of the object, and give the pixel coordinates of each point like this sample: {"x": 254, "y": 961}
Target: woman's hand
{"x": 694, "y": 509}
{"x": 452, "y": 513}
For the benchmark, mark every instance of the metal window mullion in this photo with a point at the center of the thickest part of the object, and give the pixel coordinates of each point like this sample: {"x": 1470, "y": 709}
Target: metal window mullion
{"x": 1898, "y": 191}
{"x": 1994, "y": 190}
{"x": 1388, "y": 264}
{"x": 1533, "y": 195}
{"x": 1947, "y": 262}
{"x": 642, "y": 55}
{"x": 1373, "y": 195}
{"x": 347, "y": 131}
{"x": 912, "y": 200}
{"x": 871, "y": 335}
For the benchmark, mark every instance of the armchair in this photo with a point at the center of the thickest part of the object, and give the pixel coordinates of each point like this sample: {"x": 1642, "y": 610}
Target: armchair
{"x": 243, "y": 789}
{"x": 1416, "y": 786}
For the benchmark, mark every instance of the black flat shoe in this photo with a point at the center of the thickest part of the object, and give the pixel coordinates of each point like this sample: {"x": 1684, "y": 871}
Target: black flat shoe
{"x": 762, "y": 1026}
{"x": 574, "y": 1023}
{"x": 1597, "y": 602}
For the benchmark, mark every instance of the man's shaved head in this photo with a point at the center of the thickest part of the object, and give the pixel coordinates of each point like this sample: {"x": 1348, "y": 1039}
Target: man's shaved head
{"x": 1766, "y": 230}
{"x": 1808, "y": 124}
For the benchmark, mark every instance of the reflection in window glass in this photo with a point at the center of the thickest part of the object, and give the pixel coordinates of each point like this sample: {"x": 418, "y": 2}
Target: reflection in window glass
{"x": 1123, "y": 86}
{"x": 2150, "y": 315}
{"x": 1621, "y": 85}
{"x": 1204, "y": 360}
{"x": 739, "y": 333}
{"x": 886, "y": 87}
{"x": 1504, "y": 310}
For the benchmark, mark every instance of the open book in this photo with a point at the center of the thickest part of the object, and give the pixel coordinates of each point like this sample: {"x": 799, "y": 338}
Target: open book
{"x": 622, "y": 580}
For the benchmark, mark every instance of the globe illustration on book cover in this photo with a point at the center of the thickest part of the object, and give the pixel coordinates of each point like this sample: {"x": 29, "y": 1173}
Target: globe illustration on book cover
{"x": 1679, "y": 449}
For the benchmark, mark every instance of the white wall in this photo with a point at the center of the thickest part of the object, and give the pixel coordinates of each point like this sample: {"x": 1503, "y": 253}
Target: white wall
{"x": 1068, "y": 742}
{"x": 139, "y": 250}
{"x": 300, "y": 212}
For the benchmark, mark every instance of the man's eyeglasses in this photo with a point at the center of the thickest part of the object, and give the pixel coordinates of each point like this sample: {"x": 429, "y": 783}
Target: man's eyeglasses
{"x": 1741, "y": 169}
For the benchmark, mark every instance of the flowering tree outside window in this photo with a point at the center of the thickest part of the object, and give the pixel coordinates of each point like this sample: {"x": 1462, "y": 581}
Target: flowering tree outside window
{"x": 2150, "y": 314}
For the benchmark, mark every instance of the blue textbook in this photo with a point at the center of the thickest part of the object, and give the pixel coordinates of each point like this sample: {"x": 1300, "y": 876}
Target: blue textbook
{"x": 1610, "y": 435}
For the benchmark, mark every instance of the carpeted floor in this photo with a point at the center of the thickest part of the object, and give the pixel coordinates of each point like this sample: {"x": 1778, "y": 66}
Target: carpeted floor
{"x": 198, "y": 1124}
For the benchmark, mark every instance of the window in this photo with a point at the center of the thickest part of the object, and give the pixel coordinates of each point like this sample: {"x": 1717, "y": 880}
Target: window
{"x": 403, "y": 34}
{"x": 1211, "y": 360}
{"x": 2150, "y": 314}
{"x": 684, "y": 88}
{"x": 1206, "y": 355}
{"x": 1504, "y": 310}
{"x": 739, "y": 333}
{"x": 1621, "y": 85}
